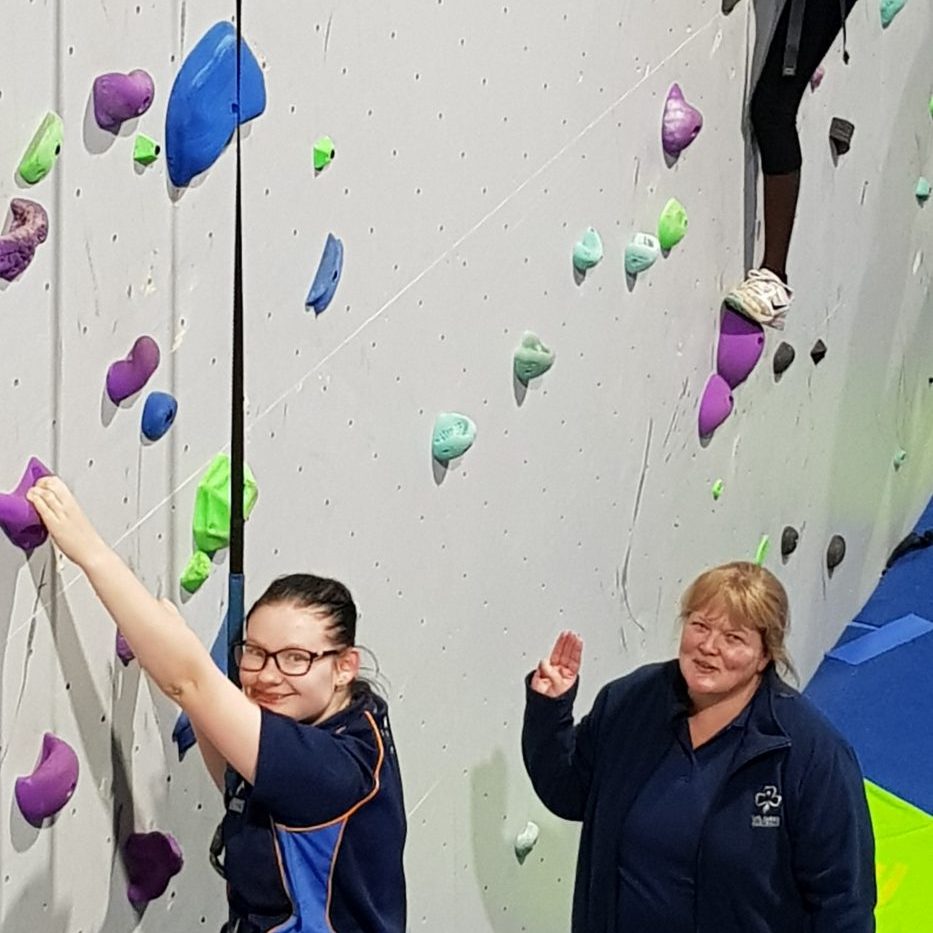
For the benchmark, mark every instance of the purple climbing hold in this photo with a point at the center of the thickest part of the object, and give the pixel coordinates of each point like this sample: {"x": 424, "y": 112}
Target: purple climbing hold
{"x": 151, "y": 861}
{"x": 124, "y": 651}
{"x": 716, "y": 404}
{"x": 681, "y": 123}
{"x": 18, "y": 518}
{"x": 741, "y": 343}
{"x": 52, "y": 782}
{"x": 127, "y": 376}
{"x": 28, "y": 228}
{"x": 119, "y": 97}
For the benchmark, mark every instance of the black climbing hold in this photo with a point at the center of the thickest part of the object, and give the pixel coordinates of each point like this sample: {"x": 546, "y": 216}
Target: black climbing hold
{"x": 818, "y": 352}
{"x": 835, "y": 553}
{"x": 913, "y": 542}
{"x": 789, "y": 539}
{"x": 840, "y": 135}
{"x": 783, "y": 357}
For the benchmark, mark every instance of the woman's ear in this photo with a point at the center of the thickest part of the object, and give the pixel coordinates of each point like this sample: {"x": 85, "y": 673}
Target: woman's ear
{"x": 348, "y": 666}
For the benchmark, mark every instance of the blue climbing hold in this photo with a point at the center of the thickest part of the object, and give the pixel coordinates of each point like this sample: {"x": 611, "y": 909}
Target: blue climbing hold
{"x": 327, "y": 276}
{"x": 203, "y": 109}
{"x": 158, "y": 415}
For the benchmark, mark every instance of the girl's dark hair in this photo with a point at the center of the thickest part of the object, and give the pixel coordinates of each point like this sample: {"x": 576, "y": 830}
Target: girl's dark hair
{"x": 306, "y": 591}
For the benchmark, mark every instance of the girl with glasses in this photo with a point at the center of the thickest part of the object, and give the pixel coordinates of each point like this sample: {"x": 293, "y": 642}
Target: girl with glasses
{"x": 314, "y": 828}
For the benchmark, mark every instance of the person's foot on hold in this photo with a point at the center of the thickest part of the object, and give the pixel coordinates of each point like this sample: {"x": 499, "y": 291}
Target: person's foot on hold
{"x": 762, "y": 297}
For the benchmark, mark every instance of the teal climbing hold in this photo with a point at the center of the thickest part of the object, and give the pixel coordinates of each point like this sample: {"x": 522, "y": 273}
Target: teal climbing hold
{"x": 672, "y": 225}
{"x": 890, "y": 9}
{"x": 923, "y": 189}
{"x": 532, "y": 358}
{"x": 587, "y": 251}
{"x": 453, "y": 436}
{"x": 641, "y": 253}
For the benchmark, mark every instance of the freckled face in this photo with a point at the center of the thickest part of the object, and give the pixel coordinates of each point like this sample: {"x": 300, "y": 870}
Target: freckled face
{"x": 717, "y": 657}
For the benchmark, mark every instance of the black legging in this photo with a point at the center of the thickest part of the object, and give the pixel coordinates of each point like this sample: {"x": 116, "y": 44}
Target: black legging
{"x": 777, "y": 97}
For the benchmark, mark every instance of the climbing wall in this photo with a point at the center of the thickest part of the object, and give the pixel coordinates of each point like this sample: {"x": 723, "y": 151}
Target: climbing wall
{"x": 474, "y": 147}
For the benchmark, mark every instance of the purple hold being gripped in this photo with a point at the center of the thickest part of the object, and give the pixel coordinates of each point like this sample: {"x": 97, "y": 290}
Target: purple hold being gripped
{"x": 119, "y": 97}
{"x": 18, "y": 518}
{"x": 741, "y": 343}
{"x": 53, "y": 780}
{"x": 127, "y": 376}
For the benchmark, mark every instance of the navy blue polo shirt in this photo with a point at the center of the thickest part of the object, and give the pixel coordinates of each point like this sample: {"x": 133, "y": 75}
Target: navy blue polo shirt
{"x": 315, "y": 845}
{"x": 661, "y": 833}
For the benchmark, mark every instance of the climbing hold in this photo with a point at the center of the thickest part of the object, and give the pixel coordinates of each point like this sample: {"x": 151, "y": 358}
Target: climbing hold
{"x": 587, "y": 251}
{"x": 324, "y": 153}
{"x": 718, "y": 488}
{"x": 761, "y": 552}
{"x": 532, "y": 358}
{"x": 922, "y": 191}
{"x": 789, "y": 539}
{"x": 900, "y": 458}
{"x": 741, "y": 343}
{"x": 151, "y": 860}
{"x": 43, "y": 150}
{"x": 672, "y": 225}
{"x": 203, "y": 107}
{"x": 890, "y": 9}
{"x": 641, "y": 253}
{"x": 18, "y": 518}
{"x": 818, "y": 352}
{"x": 816, "y": 79}
{"x": 716, "y": 404}
{"x": 28, "y": 228}
{"x": 196, "y": 572}
{"x": 124, "y": 651}
{"x": 127, "y": 376}
{"x": 525, "y": 841}
{"x": 327, "y": 277}
{"x": 53, "y": 780}
{"x": 840, "y": 135}
{"x": 211, "y": 523}
{"x": 158, "y": 415}
{"x": 835, "y": 553}
{"x": 119, "y": 97}
{"x": 146, "y": 150}
{"x": 681, "y": 123}
{"x": 783, "y": 357}
{"x": 453, "y": 436}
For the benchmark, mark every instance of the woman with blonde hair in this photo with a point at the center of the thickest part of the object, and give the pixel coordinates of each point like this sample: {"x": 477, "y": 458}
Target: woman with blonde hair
{"x": 713, "y": 796}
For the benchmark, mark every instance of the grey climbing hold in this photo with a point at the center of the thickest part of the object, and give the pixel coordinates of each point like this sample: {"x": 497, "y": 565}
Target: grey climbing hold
{"x": 783, "y": 357}
{"x": 789, "y": 538}
{"x": 818, "y": 352}
{"x": 835, "y": 553}
{"x": 525, "y": 841}
{"x": 840, "y": 135}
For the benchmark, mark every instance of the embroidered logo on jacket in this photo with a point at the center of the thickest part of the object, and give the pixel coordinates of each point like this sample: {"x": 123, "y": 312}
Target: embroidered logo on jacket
{"x": 766, "y": 800}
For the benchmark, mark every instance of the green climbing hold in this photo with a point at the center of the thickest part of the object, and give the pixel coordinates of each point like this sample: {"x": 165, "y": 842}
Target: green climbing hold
{"x": 900, "y": 458}
{"x": 525, "y": 841}
{"x": 923, "y": 189}
{"x": 146, "y": 150}
{"x": 672, "y": 225}
{"x": 587, "y": 251}
{"x": 324, "y": 152}
{"x": 43, "y": 150}
{"x": 641, "y": 253}
{"x": 890, "y": 9}
{"x": 532, "y": 358}
{"x": 212, "y": 504}
{"x": 718, "y": 487}
{"x": 198, "y": 570}
{"x": 453, "y": 436}
{"x": 764, "y": 545}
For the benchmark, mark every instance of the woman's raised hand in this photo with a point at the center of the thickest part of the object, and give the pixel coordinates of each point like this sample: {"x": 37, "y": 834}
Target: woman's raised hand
{"x": 556, "y": 675}
{"x": 69, "y": 527}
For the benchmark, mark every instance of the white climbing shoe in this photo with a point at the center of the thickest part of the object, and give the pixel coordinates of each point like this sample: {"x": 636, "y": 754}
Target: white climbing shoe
{"x": 762, "y": 297}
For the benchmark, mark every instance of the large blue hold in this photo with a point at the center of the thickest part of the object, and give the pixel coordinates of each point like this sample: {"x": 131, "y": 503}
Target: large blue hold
{"x": 202, "y": 109}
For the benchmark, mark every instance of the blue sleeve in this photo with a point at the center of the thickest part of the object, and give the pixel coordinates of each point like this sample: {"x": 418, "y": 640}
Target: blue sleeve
{"x": 559, "y": 756}
{"x": 307, "y": 776}
{"x": 834, "y": 848}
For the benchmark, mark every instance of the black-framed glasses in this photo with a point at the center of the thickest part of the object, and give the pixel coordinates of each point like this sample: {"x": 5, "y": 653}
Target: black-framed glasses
{"x": 292, "y": 662}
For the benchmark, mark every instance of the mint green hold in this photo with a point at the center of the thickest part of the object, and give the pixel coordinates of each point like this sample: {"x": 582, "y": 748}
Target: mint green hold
{"x": 196, "y": 573}
{"x": 587, "y": 251}
{"x": 890, "y": 9}
{"x": 453, "y": 436}
{"x": 211, "y": 523}
{"x": 43, "y": 149}
{"x": 532, "y": 358}
{"x": 923, "y": 189}
{"x": 900, "y": 458}
{"x": 641, "y": 253}
{"x": 672, "y": 225}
